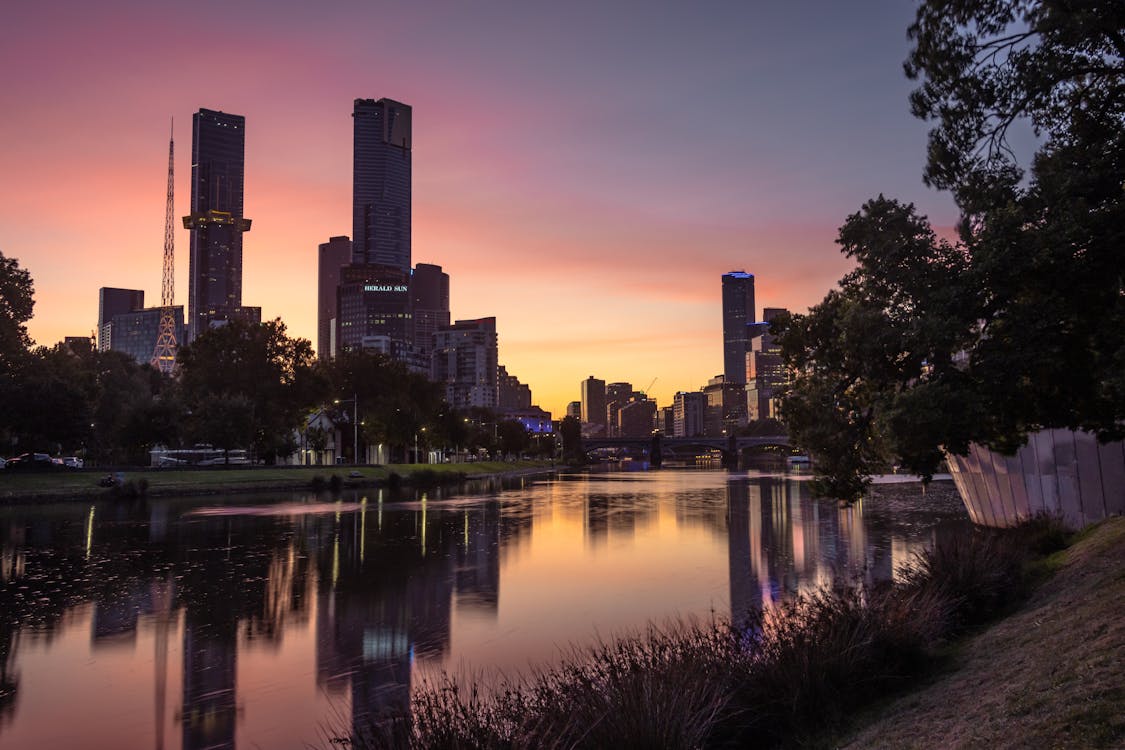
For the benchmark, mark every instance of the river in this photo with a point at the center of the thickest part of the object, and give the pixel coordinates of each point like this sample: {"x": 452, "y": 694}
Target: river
{"x": 275, "y": 621}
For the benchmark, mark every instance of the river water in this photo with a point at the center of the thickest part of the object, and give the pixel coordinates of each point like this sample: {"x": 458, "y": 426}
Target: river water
{"x": 276, "y": 621}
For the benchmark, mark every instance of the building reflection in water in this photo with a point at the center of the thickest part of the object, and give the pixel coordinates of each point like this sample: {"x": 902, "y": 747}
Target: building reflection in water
{"x": 376, "y": 584}
{"x": 782, "y": 542}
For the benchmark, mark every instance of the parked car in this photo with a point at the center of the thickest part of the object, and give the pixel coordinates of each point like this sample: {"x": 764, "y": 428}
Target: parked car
{"x": 31, "y": 462}
{"x": 73, "y": 462}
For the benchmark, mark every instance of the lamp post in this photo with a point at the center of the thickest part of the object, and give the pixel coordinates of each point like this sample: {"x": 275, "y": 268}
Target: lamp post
{"x": 355, "y": 425}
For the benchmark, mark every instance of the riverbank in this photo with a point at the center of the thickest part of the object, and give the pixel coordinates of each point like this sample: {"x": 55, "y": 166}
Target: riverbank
{"x": 62, "y": 486}
{"x": 1049, "y": 675}
{"x": 990, "y": 640}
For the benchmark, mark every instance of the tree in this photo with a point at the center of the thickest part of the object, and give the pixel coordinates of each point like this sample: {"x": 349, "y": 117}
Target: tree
{"x": 394, "y": 403}
{"x": 570, "y": 430}
{"x": 16, "y": 304}
{"x": 513, "y": 437}
{"x": 930, "y": 346}
{"x": 254, "y": 373}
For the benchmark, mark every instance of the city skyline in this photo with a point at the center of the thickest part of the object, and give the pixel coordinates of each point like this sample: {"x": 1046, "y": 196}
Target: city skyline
{"x": 589, "y": 203}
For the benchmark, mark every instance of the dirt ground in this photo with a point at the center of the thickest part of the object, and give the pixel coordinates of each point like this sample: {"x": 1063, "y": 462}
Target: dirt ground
{"x": 1052, "y": 675}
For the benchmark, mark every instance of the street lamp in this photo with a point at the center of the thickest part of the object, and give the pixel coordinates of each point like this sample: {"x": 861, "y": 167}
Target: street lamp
{"x": 355, "y": 425}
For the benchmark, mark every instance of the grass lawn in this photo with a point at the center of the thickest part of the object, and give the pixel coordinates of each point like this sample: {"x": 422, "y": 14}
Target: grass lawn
{"x": 84, "y": 483}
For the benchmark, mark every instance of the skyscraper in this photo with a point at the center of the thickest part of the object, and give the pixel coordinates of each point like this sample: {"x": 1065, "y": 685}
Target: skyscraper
{"x": 331, "y": 257}
{"x": 738, "y": 310}
{"x": 593, "y": 402}
{"x": 381, "y": 183}
{"x": 465, "y": 361}
{"x": 429, "y": 300}
{"x": 216, "y": 222}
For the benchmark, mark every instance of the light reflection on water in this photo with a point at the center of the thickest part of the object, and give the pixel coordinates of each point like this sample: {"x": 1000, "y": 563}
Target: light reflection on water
{"x": 263, "y": 621}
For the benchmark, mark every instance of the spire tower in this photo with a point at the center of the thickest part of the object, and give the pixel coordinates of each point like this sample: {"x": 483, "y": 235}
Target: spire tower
{"x": 164, "y": 355}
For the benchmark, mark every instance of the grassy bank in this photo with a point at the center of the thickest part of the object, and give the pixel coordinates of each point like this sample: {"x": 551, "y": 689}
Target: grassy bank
{"x": 1051, "y": 675}
{"x": 800, "y": 674}
{"x": 69, "y": 485}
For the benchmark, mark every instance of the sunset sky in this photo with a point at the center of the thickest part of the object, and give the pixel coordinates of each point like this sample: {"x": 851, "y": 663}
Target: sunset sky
{"x": 584, "y": 171}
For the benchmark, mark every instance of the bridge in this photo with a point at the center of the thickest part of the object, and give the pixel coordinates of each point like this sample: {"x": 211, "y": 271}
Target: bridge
{"x": 657, "y": 446}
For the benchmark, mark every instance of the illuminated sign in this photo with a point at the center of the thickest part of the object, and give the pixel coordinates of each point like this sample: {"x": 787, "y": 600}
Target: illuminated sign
{"x": 385, "y": 288}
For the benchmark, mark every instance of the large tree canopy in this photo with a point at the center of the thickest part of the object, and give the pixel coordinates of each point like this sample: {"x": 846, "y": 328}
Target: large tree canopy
{"x": 929, "y": 345}
{"x": 249, "y": 383}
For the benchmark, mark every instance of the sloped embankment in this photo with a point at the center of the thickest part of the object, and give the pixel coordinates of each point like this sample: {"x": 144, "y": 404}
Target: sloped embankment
{"x": 1052, "y": 675}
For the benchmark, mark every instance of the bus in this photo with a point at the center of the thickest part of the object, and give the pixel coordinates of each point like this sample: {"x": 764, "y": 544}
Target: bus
{"x": 199, "y": 455}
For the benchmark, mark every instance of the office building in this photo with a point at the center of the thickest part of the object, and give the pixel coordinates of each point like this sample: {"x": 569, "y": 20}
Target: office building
{"x": 689, "y": 408}
{"x": 635, "y": 418}
{"x": 767, "y": 375}
{"x": 429, "y": 300}
{"x": 113, "y": 302}
{"x": 738, "y": 310}
{"x": 616, "y": 396}
{"x": 331, "y": 257}
{"x": 381, "y": 183}
{"x": 574, "y": 409}
{"x": 373, "y": 312}
{"x": 593, "y": 404}
{"x": 513, "y": 395}
{"x": 133, "y": 332}
{"x": 218, "y": 146}
{"x": 726, "y": 407}
{"x": 464, "y": 360}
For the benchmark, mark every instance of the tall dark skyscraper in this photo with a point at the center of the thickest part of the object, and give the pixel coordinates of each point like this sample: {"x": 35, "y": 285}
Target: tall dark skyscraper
{"x": 331, "y": 257}
{"x": 738, "y": 310}
{"x": 381, "y": 183}
{"x": 216, "y": 222}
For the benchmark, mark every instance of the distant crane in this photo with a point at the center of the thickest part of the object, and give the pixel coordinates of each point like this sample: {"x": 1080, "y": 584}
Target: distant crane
{"x": 648, "y": 390}
{"x": 164, "y": 354}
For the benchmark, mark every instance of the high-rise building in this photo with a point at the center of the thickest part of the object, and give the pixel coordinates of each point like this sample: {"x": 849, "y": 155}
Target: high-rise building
{"x": 767, "y": 376}
{"x": 513, "y": 395}
{"x": 738, "y": 310}
{"x": 593, "y": 402}
{"x": 331, "y": 257}
{"x": 112, "y": 302}
{"x": 381, "y": 183}
{"x": 464, "y": 359}
{"x": 574, "y": 409}
{"x": 636, "y": 418}
{"x": 373, "y": 312}
{"x": 133, "y": 332}
{"x": 616, "y": 396}
{"x": 218, "y": 146}
{"x": 429, "y": 299}
{"x": 726, "y": 407}
{"x": 689, "y": 408}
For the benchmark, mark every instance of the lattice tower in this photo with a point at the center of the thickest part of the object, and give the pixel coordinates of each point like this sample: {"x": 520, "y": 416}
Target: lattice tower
{"x": 164, "y": 355}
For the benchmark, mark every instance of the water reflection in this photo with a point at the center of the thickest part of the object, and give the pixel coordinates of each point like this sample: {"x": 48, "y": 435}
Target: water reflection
{"x": 198, "y": 624}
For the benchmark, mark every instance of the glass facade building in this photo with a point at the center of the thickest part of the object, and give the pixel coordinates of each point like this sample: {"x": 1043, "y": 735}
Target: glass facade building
{"x": 381, "y": 183}
{"x": 135, "y": 332}
{"x": 738, "y": 310}
{"x": 216, "y": 222}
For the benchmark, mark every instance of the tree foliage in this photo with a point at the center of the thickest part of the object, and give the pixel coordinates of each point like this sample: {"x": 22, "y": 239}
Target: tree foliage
{"x": 929, "y": 345}
{"x": 255, "y": 374}
{"x": 17, "y": 301}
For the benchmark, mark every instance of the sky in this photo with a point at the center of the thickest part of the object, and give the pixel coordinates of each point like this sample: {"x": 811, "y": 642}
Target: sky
{"x": 584, "y": 171}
